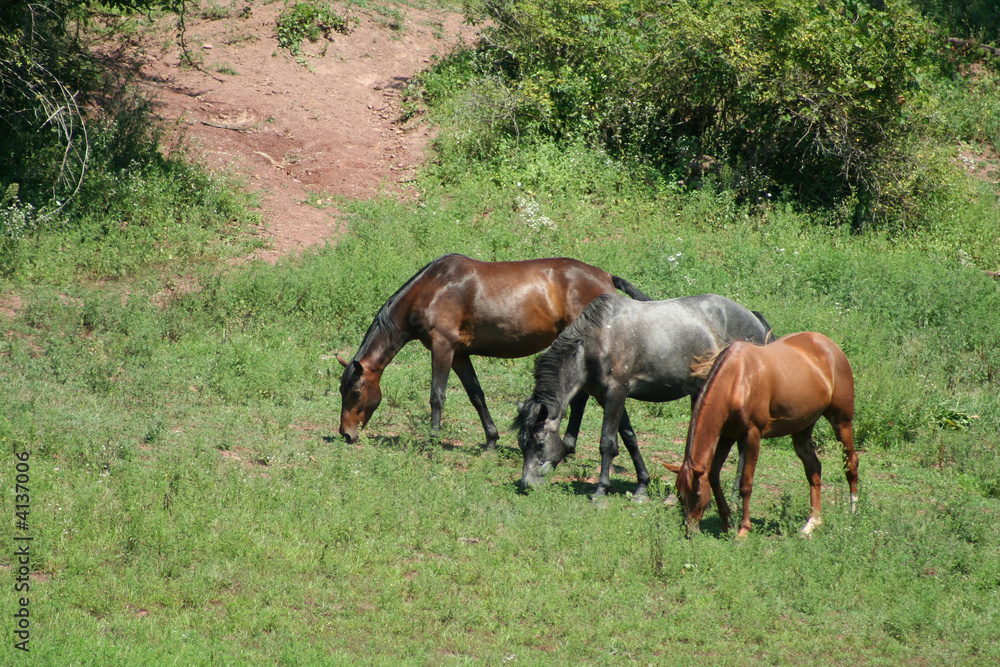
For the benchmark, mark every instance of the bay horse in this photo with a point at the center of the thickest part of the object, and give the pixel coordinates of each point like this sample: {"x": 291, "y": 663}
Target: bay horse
{"x": 458, "y": 307}
{"x": 753, "y": 392}
{"x": 620, "y": 349}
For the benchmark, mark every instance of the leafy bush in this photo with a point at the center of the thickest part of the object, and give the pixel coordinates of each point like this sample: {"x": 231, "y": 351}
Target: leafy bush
{"x": 978, "y": 19}
{"x": 802, "y": 98}
{"x": 307, "y": 20}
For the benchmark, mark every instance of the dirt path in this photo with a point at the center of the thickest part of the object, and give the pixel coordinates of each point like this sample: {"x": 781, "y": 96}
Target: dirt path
{"x": 324, "y": 124}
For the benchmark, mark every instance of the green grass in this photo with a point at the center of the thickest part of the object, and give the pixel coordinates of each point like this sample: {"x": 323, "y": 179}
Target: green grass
{"x": 191, "y": 499}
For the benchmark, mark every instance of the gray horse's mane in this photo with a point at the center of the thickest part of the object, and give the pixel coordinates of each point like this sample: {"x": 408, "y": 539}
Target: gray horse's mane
{"x": 384, "y": 322}
{"x": 549, "y": 365}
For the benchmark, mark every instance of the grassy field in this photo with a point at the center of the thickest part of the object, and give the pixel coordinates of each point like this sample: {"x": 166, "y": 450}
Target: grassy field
{"x": 191, "y": 500}
{"x": 169, "y": 436}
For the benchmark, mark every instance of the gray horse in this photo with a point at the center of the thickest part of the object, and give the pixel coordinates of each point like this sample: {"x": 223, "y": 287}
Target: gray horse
{"x": 616, "y": 349}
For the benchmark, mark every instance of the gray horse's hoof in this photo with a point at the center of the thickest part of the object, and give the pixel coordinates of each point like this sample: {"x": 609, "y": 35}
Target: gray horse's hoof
{"x": 545, "y": 469}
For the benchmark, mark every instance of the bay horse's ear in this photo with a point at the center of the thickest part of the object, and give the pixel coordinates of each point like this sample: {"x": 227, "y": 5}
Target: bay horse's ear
{"x": 342, "y": 361}
{"x": 673, "y": 467}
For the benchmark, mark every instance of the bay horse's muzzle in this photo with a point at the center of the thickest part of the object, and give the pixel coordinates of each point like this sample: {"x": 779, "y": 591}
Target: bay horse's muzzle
{"x": 350, "y": 435}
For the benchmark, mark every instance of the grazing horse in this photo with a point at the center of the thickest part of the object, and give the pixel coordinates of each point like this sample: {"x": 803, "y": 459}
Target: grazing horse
{"x": 458, "y": 307}
{"x": 620, "y": 349}
{"x": 755, "y": 392}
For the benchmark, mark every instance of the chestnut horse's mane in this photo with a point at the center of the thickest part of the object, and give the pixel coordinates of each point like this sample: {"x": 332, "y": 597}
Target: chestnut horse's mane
{"x": 706, "y": 366}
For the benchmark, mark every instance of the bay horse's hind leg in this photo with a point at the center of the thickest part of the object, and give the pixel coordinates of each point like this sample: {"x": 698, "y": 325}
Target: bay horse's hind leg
{"x": 632, "y": 445}
{"x": 463, "y": 368}
{"x": 805, "y": 448}
{"x": 576, "y": 407}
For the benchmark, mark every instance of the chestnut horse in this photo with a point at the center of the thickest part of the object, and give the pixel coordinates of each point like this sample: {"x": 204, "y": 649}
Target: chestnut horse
{"x": 458, "y": 307}
{"x": 754, "y": 392}
{"x": 620, "y": 349}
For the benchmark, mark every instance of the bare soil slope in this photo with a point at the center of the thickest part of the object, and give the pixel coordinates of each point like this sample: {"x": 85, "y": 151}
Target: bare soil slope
{"x": 323, "y": 123}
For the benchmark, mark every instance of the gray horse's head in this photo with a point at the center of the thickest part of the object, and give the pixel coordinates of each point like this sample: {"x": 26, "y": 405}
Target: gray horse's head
{"x": 538, "y": 438}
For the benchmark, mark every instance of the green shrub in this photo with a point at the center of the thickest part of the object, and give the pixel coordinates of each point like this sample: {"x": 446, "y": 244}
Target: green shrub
{"x": 307, "y": 20}
{"x": 801, "y": 98}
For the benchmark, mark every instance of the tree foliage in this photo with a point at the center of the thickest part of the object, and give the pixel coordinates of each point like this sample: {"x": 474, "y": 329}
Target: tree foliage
{"x": 975, "y": 19}
{"x": 800, "y": 98}
{"x": 46, "y": 77}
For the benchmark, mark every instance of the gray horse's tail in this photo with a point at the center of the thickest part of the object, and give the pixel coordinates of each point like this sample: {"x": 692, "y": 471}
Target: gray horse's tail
{"x": 769, "y": 336}
{"x": 625, "y": 286}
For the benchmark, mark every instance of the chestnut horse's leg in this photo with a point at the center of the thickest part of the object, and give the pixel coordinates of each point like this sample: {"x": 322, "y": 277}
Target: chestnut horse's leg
{"x": 843, "y": 429}
{"x": 576, "y": 407}
{"x": 806, "y": 450}
{"x": 714, "y": 479}
{"x": 463, "y": 368}
{"x": 632, "y": 445}
{"x": 751, "y": 450}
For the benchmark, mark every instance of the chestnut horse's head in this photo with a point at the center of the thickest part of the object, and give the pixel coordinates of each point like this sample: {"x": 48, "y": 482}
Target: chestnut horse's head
{"x": 538, "y": 438}
{"x": 360, "y": 396}
{"x": 694, "y": 493}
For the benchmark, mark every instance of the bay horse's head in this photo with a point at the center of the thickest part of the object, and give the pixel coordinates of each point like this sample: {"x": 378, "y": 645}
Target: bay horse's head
{"x": 360, "y": 395}
{"x": 538, "y": 438}
{"x": 694, "y": 493}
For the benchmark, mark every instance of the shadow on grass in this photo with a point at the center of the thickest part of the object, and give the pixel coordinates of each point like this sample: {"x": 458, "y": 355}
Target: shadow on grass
{"x": 404, "y": 443}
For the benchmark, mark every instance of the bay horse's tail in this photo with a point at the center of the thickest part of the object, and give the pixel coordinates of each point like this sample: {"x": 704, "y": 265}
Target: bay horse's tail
{"x": 769, "y": 336}
{"x": 625, "y": 286}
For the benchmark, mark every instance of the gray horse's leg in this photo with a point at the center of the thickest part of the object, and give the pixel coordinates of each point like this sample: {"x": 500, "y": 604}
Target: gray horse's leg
{"x": 632, "y": 445}
{"x": 614, "y": 407}
{"x": 576, "y": 407}
{"x": 462, "y": 365}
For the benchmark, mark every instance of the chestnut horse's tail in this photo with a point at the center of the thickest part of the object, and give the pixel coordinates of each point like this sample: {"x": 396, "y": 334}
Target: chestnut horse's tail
{"x": 625, "y": 286}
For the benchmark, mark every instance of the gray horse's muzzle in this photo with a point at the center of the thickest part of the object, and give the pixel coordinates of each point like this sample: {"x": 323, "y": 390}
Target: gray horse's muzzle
{"x": 534, "y": 475}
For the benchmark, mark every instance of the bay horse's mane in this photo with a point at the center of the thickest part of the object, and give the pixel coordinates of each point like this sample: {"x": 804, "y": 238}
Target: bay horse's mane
{"x": 384, "y": 322}
{"x": 548, "y": 367}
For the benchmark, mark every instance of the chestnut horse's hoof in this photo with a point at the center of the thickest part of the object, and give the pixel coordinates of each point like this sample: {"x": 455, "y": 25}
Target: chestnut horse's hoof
{"x": 812, "y": 524}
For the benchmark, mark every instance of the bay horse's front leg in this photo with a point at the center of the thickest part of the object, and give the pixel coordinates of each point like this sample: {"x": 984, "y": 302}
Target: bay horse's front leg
{"x": 442, "y": 354}
{"x": 462, "y": 365}
{"x": 576, "y": 407}
{"x": 614, "y": 408}
{"x": 632, "y": 445}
